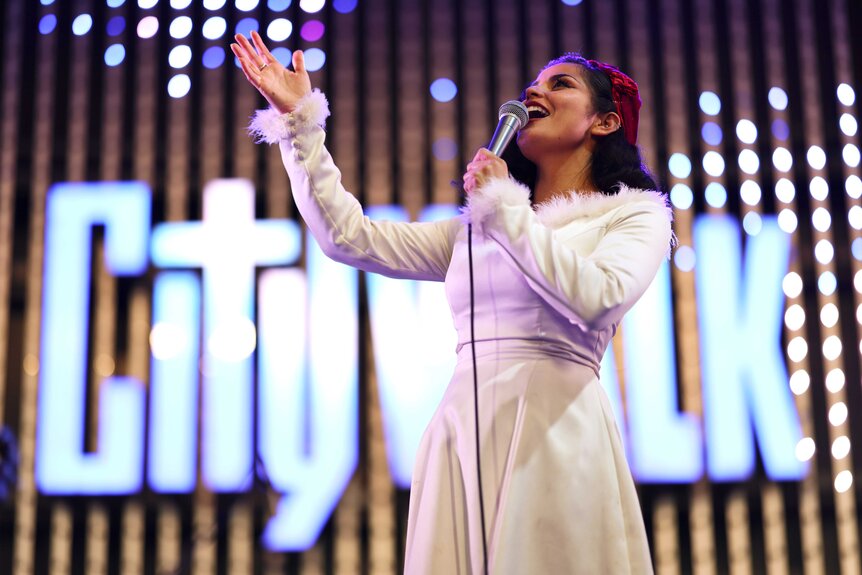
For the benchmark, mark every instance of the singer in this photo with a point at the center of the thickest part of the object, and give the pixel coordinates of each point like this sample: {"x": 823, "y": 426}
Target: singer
{"x": 551, "y": 279}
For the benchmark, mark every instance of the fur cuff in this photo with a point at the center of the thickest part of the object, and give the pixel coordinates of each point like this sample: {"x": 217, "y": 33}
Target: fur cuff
{"x": 271, "y": 127}
{"x": 487, "y": 200}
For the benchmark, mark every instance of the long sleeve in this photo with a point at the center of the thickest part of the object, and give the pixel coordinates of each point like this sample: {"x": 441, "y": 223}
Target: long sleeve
{"x": 335, "y": 218}
{"x": 593, "y": 290}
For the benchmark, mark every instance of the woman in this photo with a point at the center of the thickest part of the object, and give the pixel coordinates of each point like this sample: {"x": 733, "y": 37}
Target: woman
{"x": 551, "y": 284}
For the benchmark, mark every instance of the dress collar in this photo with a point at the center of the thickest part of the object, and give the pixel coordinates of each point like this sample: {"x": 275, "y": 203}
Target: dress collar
{"x": 564, "y": 209}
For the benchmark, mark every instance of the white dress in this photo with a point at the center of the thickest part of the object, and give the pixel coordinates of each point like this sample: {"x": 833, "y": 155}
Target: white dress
{"x": 551, "y": 286}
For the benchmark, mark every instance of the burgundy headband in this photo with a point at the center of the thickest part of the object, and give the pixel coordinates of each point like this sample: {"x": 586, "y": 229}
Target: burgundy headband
{"x": 626, "y": 98}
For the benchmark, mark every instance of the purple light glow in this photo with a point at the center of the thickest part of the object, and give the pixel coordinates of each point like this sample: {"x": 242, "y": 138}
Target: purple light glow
{"x": 312, "y": 31}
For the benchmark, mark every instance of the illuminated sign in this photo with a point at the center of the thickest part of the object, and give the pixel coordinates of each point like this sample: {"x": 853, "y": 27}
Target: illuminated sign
{"x": 227, "y": 292}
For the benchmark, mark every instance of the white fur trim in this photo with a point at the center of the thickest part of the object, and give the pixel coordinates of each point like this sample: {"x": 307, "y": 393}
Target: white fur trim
{"x": 271, "y": 127}
{"x": 497, "y": 192}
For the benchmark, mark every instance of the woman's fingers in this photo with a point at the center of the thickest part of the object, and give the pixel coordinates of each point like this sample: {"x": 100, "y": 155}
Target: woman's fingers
{"x": 261, "y": 47}
{"x": 249, "y": 51}
{"x": 299, "y": 62}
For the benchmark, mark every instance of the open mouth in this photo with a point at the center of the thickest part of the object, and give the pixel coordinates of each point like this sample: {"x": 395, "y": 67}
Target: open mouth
{"x": 537, "y": 112}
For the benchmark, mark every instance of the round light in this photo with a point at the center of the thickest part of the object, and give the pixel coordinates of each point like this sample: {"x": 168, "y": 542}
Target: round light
{"x": 780, "y": 129}
{"x": 47, "y": 24}
{"x": 752, "y": 223}
{"x": 82, "y": 24}
{"x": 837, "y": 416}
{"x": 713, "y": 163}
{"x": 148, "y": 26}
{"x": 829, "y": 315}
{"x": 794, "y": 317}
{"x": 799, "y": 382}
{"x": 213, "y": 57}
{"x": 832, "y": 347}
{"x": 749, "y": 161}
{"x": 679, "y": 165}
{"x": 572, "y": 2}
{"x": 785, "y": 191}
{"x": 818, "y": 188}
{"x": 782, "y": 159}
{"x": 777, "y": 98}
{"x": 835, "y": 380}
{"x": 311, "y": 6}
{"x": 315, "y": 58}
{"x": 344, "y": 6}
{"x": 787, "y": 221}
{"x": 246, "y": 25}
{"x": 115, "y": 26}
{"x": 856, "y": 249}
{"x": 826, "y": 283}
{"x": 711, "y": 133}
{"x": 179, "y": 86}
{"x": 857, "y": 281}
{"x": 214, "y": 28}
{"x": 805, "y": 449}
{"x": 115, "y": 54}
{"x": 841, "y": 446}
{"x": 278, "y": 5}
{"x": 792, "y": 285}
{"x": 180, "y": 56}
{"x": 749, "y": 191}
{"x": 848, "y": 125}
{"x": 859, "y": 313}
{"x": 843, "y": 481}
{"x": 180, "y": 4}
{"x": 854, "y": 216}
{"x": 853, "y": 186}
{"x": 111, "y": 3}
{"x": 180, "y": 27}
{"x": 846, "y": 95}
{"x": 684, "y": 258}
{"x": 710, "y": 103}
{"x": 312, "y": 31}
{"x": 284, "y": 56}
{"x": 681, "y": 196}
{"x": 821, "y": 219}
{"x": 746, "y": 131}
{"x": 824, "y": 252}
{"x": 797, "y": 349}
{"x": 850, "y": 153}
{"x": 279, "y": 29}
{"x": 816, "y": 157}
{"x": 213, "y": 4}
{"x": 246, "y": 5}
{"x": 443, "y": 89}
{"x": 444, "y": 149}
{"x": 147, "y": 4}
{"x": 715, "y": 194}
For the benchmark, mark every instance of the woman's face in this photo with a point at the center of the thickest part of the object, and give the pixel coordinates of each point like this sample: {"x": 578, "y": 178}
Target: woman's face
{"x": 561, "y": 112}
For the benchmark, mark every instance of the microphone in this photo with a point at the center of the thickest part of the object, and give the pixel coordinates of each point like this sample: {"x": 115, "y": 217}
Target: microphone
{"x": 513, "y": 116}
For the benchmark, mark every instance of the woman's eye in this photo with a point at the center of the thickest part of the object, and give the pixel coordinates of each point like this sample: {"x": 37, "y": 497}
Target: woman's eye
{"x": 560, "y": 83}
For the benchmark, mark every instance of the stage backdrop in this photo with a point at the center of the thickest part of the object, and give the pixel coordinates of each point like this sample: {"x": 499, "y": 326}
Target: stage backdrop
{"x": 188, "y": 386}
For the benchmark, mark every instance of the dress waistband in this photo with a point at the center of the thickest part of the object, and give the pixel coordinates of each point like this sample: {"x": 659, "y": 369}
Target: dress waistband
{"x": 523, "y": 348}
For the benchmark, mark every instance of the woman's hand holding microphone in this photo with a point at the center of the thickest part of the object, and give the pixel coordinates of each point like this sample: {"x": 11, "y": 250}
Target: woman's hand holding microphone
{"x": 484, "y": 167}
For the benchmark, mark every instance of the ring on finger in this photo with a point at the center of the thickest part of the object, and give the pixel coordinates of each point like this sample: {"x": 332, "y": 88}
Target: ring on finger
{"x": 262, "y": 66}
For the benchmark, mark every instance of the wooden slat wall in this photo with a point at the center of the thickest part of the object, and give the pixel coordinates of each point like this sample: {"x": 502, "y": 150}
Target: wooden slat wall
{"x": 67, "y": 116}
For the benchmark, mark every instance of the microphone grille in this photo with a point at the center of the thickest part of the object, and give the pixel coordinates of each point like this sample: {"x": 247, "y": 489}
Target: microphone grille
{"x": 517, "y": 109}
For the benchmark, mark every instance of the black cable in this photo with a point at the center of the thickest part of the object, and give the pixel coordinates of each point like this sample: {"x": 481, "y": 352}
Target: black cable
{"x": 476, "y": 394}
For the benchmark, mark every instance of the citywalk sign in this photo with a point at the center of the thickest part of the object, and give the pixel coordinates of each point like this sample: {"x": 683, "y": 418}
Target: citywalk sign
{"x": 234, "y": 317}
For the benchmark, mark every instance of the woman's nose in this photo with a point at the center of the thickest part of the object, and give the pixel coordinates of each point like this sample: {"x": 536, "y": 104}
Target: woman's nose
{"x": 531, "y": 92}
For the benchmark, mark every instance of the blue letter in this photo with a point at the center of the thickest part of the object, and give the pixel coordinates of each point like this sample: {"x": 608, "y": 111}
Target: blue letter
{"x": 61, "y": 465}
{"x": 744, "y": 375}
{"x": 414, "y": 356}
{"x": 308, "y": 417}
{"x": 665, "y": 444}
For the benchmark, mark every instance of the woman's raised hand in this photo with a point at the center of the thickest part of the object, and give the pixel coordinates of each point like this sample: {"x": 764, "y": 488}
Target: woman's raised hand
{"x": 484, "y": 167}
{"x": 281, "y": 87}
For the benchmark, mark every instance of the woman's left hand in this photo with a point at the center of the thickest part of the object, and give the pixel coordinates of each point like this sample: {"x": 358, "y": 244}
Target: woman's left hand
{"x": 485, "y": 166}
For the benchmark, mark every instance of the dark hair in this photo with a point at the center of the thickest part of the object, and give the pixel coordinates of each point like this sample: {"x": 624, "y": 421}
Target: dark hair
{"x": 615, "y": 161}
